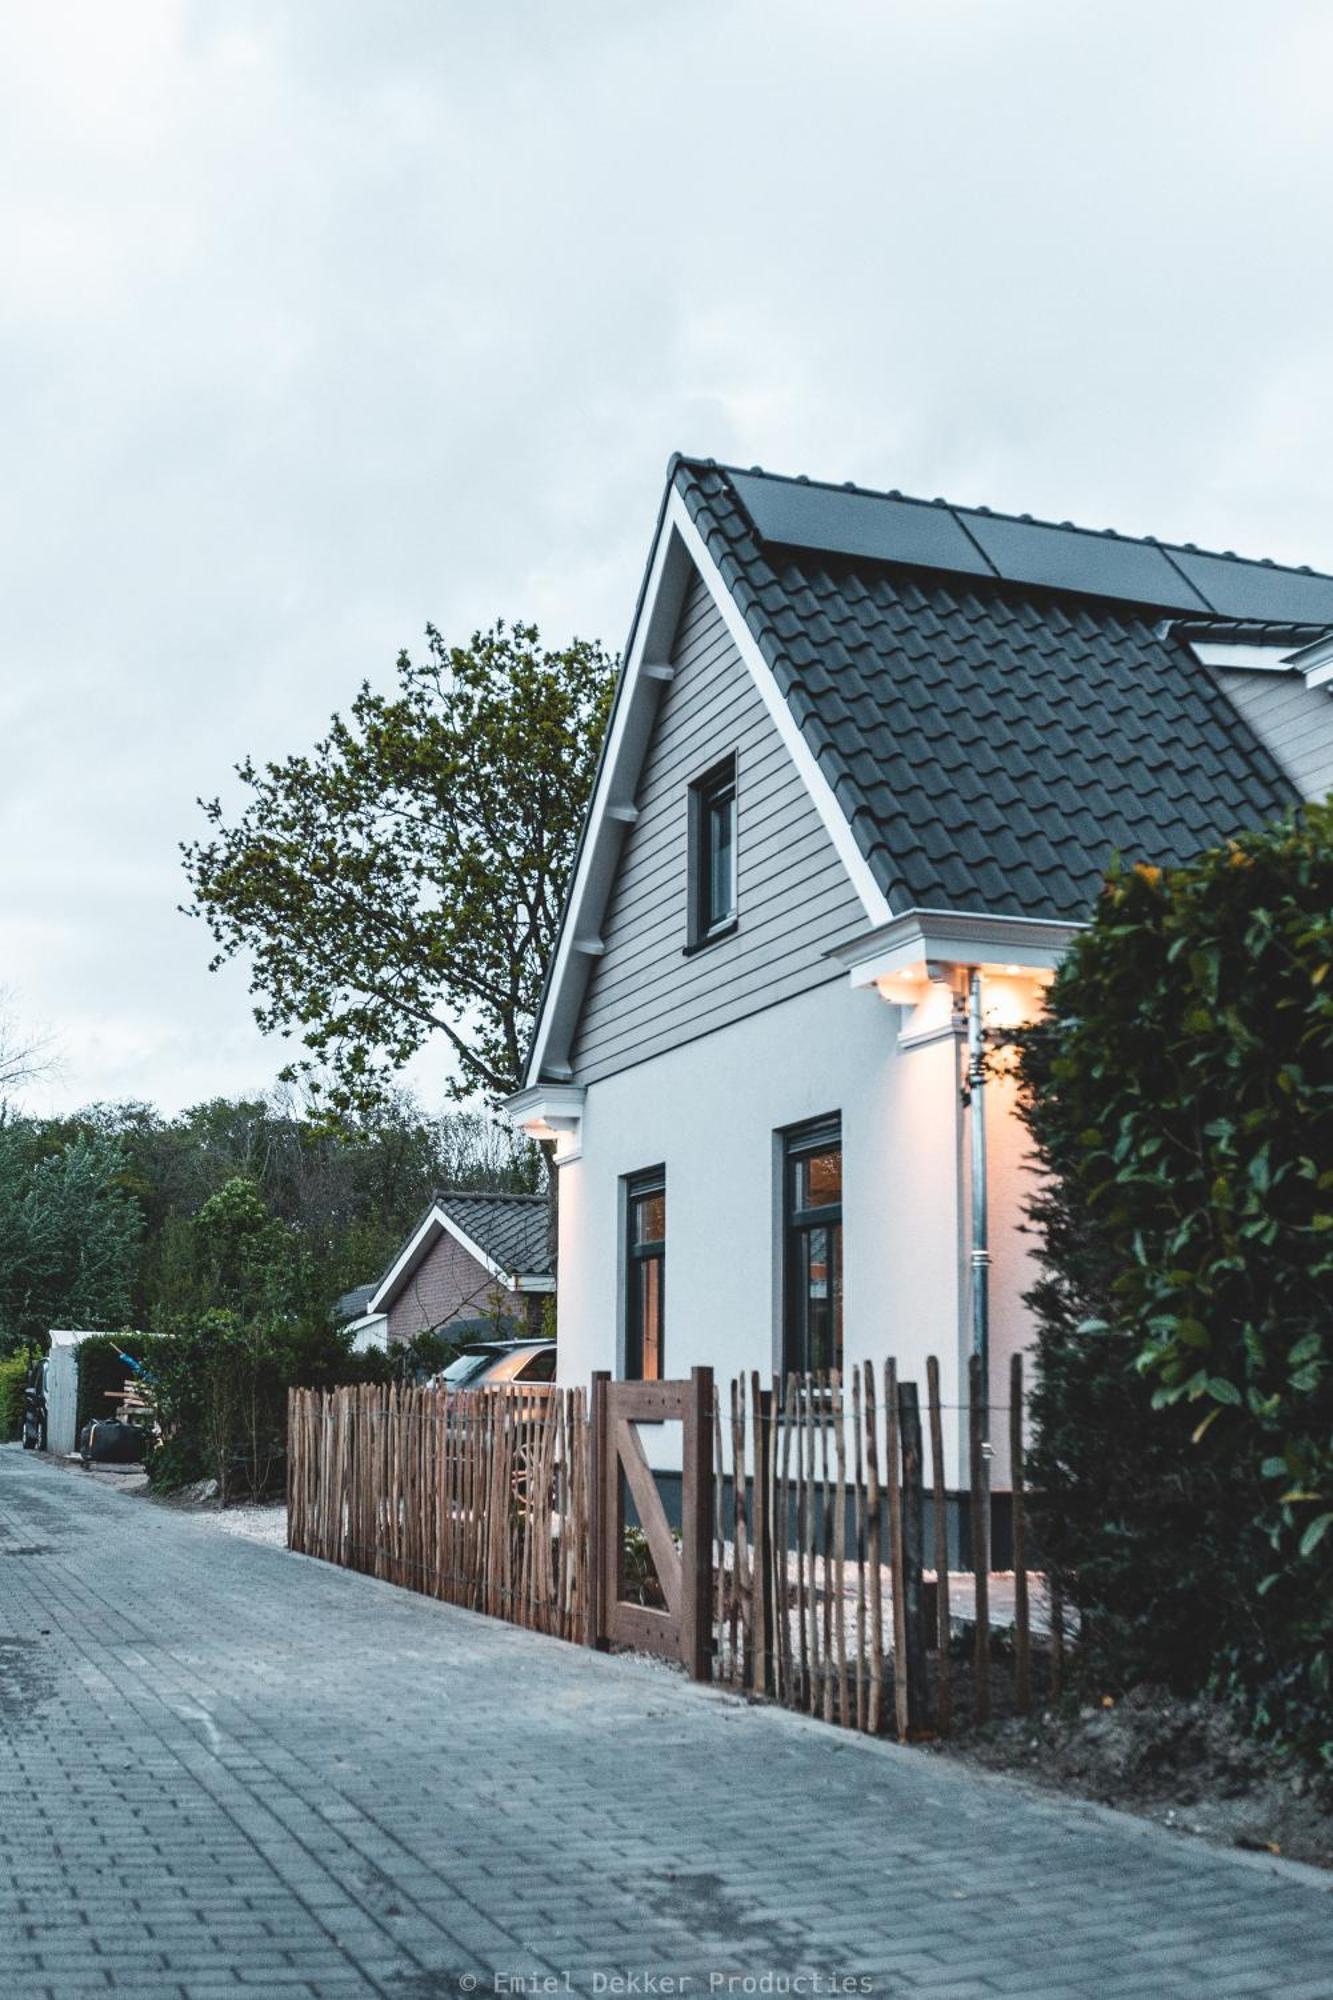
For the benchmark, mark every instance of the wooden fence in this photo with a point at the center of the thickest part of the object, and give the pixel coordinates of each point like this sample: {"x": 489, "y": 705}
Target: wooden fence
{"x": 479, "y": 1498}
{"x": 815, "y": 1580}
{"x": 819, "y": 1560}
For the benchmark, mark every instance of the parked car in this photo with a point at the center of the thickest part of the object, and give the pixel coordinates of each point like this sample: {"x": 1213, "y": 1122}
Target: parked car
{"x": 500, "y": 1364}
{"x": 492, "y": 1364}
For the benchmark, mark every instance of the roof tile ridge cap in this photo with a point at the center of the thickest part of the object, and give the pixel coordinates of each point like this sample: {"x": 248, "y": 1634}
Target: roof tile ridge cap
{"x": 486, "y": 1194}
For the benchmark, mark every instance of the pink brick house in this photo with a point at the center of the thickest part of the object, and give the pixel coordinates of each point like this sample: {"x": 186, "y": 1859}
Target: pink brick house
{"x": 472, "y": 1257}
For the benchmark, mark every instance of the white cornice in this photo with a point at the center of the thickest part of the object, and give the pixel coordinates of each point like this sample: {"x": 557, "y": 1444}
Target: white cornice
{"x": 549, "y": 1111}
{"x": 954, "y": 937}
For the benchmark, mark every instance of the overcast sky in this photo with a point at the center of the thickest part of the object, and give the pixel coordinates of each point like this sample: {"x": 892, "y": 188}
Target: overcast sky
{"x": 322, "y": 319}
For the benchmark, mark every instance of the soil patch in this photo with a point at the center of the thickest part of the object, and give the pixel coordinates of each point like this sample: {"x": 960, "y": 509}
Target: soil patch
{"x": 1185, "y": 1763}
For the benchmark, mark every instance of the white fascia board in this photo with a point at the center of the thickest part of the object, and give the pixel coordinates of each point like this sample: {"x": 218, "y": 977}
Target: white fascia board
{"x": 532, "y": 1281}
{"x": 617, "y": 780}
{"x": 954, "y": 937}
{"x": 363, "y": 1321}
{"x": 1315, "y": 662}
{"x": 1236, "y": 653}
{"x": 679, "y": 549}
{"x": 501, "y": 1276}
{"x": 403, "y": 1261}
{"x": 836, "y": 824}
{"x": 437, "y": 1221}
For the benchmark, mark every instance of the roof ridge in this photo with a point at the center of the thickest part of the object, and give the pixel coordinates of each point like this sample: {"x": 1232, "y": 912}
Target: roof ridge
{"x": 486, "y": 1194}
{"x": 957, "y": 507}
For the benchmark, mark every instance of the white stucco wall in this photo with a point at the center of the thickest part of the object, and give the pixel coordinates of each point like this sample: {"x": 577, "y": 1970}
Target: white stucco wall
{"x": 710, "y": 1111}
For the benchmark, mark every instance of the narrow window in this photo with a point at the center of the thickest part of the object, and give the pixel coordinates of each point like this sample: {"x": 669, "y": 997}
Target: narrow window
{"x": 645, "y": 1268}
{"x": 713, "y": 853}
{"x": 812, "y": 1203}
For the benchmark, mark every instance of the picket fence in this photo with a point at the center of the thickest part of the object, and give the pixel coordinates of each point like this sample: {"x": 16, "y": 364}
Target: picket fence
{"x": 815, "y": 1530}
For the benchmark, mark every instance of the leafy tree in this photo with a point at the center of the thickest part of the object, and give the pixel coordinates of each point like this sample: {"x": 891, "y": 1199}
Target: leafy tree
{"x": 1181, "y": 1096}
{"x": 68, "y": 1236}
{"x": 405, "y": 879}
{"x": 347, "y": 1194}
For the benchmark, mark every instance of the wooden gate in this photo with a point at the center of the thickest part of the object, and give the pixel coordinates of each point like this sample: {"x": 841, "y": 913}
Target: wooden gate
{"x": 681, "y": 1629}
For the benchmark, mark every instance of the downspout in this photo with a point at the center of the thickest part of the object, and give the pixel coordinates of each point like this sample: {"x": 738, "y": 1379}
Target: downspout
{"x": 976, "y": 1098}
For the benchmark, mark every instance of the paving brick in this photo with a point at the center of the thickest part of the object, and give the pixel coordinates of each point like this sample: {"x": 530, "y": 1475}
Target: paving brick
{"x": 253, "y": 1773}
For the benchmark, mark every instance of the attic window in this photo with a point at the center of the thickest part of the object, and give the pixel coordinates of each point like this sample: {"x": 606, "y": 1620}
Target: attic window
{"x": 713, "y": 854}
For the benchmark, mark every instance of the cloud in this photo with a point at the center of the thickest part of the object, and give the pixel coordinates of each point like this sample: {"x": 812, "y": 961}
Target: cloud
{"x": 321, "y": 320}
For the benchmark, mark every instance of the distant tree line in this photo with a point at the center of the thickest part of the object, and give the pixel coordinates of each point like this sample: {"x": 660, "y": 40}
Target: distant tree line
{"x": 100, "y": 1211}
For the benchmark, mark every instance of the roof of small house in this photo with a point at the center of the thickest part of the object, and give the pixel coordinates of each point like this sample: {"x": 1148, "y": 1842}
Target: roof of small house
{"x": 1000, "y": 704}
{"x": 512, "y": 1229}
{"x": 510, "y": 1233}
{"x": 356, "y": 1302}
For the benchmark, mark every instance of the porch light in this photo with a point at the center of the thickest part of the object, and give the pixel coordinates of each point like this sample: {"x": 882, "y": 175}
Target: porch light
{"x": 549, "y": 1112}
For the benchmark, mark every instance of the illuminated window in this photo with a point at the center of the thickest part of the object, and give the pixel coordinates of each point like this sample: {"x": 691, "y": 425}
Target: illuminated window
{"x": 812, "y": 1207}
{"x": 645, "y": 1271}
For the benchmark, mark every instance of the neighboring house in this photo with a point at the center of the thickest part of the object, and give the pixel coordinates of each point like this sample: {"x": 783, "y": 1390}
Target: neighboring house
{"x": 471, "y": 1258}
{"x": 868, "y": 760}
{"x": 352, "y": 1311}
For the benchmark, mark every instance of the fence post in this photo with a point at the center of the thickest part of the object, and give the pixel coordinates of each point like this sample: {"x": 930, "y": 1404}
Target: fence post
{"x": 976, "y": 1416}
{"x": 1022, "y": 1640}
{"x": 940, "y": 1500}
{"x": 914, "y": 1537}
{"x": 696, "y": 1536}
{"x": 761, "y": 1560}
{"x": 599, "y": 1530}
{"x": 893, "y": 1473}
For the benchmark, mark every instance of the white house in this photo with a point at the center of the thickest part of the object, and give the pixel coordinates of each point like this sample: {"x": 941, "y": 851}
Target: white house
{"x": 868, "y": 759}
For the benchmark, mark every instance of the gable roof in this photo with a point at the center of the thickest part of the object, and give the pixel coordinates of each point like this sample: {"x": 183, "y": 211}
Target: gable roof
{"x": 993, "y": 738}
{"x": 984, "y": 707}
{"x": 512, "y": 1229}
{"x": 508, "y": 1234}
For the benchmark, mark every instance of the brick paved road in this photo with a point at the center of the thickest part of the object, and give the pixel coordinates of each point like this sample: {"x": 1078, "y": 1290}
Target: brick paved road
{"x": 227, "y": 1768}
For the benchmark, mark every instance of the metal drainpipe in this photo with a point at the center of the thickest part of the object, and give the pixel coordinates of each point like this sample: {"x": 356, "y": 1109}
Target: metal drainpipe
{"x": 976, "y": 1089}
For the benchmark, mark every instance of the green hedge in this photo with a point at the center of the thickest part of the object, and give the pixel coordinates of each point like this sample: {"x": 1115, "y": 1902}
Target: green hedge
{"x": 1181, "y": 1097}
{"x": 13, "y": 1381}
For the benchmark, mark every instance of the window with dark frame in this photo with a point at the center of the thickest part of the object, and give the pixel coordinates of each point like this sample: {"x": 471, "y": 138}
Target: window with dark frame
{"x": 713, "y": 853}
{"x": 645, "y": 1276}
{"x": 812, "y": 1259}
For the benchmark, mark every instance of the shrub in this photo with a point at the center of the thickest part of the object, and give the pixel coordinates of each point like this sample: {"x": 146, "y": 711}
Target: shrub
{"x": 219, "y": 1387}
{"x": 1180, "y": 1094}
{"x": 13, "y": 1382}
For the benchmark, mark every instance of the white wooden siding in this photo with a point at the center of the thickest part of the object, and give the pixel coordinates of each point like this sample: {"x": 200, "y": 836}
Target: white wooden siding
{"x": 1295, "y": 721}
{"x": 794, "y": 898}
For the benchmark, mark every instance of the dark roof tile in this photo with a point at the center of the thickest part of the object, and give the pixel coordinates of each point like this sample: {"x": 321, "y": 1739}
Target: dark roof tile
{"x": 994, "y": 739}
